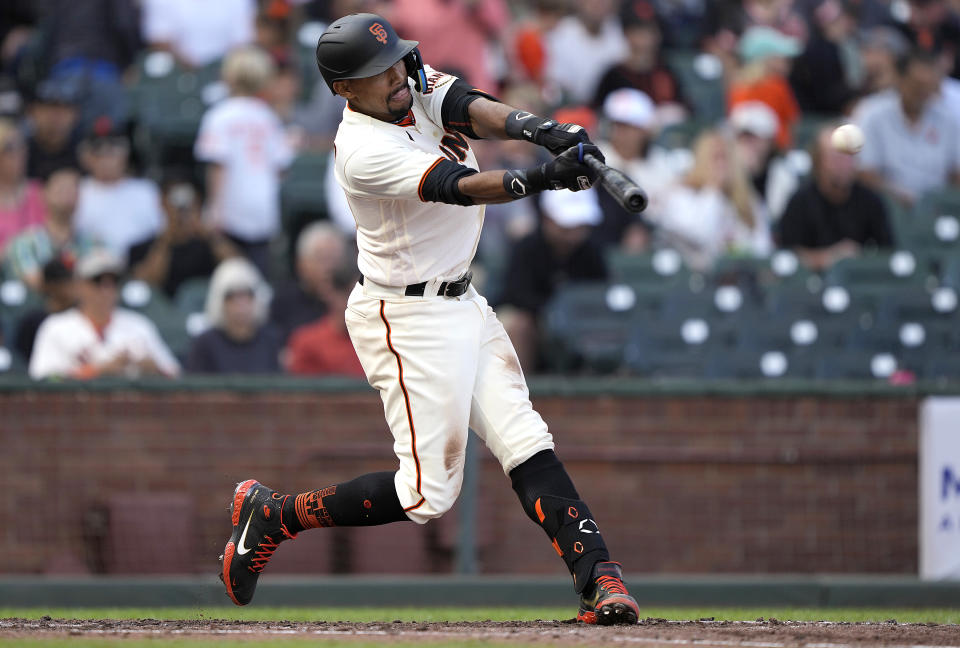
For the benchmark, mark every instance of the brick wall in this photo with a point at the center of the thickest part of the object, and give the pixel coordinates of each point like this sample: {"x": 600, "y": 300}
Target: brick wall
{"x": 129, "y": 481}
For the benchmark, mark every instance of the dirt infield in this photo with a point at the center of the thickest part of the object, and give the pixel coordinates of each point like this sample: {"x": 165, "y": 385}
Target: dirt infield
{"x": 768, "y": 633}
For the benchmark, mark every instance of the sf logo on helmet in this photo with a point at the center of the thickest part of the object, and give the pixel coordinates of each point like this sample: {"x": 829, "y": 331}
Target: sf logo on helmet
{"x": 377, "y": 30}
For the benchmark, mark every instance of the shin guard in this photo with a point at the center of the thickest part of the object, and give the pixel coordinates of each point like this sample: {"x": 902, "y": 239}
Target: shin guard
{"x": 550, "y": 499}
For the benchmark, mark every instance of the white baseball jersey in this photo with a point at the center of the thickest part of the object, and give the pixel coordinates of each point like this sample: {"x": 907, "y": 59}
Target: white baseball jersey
{"x": 441, "y": 364}
{"x": 381, "y": 166}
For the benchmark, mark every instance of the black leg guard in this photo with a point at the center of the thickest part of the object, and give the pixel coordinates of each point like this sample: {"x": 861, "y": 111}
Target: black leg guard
{"x": 549, "y": 498}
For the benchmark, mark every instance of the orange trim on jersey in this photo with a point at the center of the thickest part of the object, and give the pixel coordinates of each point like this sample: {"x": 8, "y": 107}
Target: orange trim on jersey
{"x": 406, "y": 400}
{"x": 408, "y": 120}
{"x": 423, "y": 178}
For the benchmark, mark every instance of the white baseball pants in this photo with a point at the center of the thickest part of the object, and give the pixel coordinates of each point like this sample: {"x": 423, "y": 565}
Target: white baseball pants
{"x": 442, "y": 365}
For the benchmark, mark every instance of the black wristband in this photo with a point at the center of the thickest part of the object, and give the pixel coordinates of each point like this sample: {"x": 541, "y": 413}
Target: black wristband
{"x": 520, "y": 183}
{"x": 523, "y": 125}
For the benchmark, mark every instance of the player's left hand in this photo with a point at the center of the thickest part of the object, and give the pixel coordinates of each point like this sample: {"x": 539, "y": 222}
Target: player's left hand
{"x": 554, "y": 136}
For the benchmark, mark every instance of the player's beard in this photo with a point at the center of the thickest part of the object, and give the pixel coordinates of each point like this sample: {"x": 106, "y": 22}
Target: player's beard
{"x": 399, "y": 113}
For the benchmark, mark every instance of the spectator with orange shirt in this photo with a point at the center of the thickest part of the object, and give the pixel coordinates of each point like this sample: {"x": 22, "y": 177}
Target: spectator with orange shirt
{"x": 765, "y": 54}
{"x": 324, "y": 347}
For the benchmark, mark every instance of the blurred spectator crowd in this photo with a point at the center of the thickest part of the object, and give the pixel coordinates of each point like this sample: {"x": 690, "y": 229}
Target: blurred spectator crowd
{"x": 167, "y": 204}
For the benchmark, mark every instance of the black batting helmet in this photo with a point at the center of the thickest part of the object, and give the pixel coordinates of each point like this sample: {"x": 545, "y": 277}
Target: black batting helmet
{"x": 359, "y": 46}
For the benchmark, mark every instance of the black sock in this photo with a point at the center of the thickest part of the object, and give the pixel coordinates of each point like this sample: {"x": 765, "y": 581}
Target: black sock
{"x": 368, "y": 500}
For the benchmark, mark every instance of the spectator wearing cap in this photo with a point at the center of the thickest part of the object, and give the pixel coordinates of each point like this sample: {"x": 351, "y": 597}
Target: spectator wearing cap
{"x": 21, "y": 200}
{"x": 323, "y": 348}
{"x": 59, "y": 293}
{"x": 643, "y": 68}
{"x": 53, "y": 135}
{"x": 629, "y": 118}
{"x": 114, "y": 208}
{"x": 933, "y": 26}
{"x": 765, "y": 55}
{"x": 834, "y": 215}
{"x": 240, "y": 340}
{"x": 96, "y": 338}
{"x": 28, "y": 253}
{"x": 198, "y": 33}
{"x": 321, "y": 249}
{"x": 774, "y": 178}
{"x": 911, "y": 137}
{"x": 559, "y": 251}
{"x": 186, "y": 249}
{"x": 454, "y": 35}
{"x": 714, "y": 210}
{"x": 582, "y": 47}
{"x": 826, "y": 76}
{"x": 245, "y": 148}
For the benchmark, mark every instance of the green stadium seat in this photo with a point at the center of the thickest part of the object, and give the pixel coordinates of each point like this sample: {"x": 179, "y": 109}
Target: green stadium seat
{"x": 855, "y": 365}
{"x": 191, "y": 295}
{"x": 661, "y": 267}
{"x": 170, "y": 322}
{"x": 660, "y": 348}
{"x": 877, "y": 272}
{"x": 701, "y": 78}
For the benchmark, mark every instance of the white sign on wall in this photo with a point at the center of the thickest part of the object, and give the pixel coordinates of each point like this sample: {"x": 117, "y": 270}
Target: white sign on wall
{"x": 940, "y": 489}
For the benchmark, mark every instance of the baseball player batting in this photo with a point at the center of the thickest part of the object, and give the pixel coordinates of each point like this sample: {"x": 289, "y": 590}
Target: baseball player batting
{"x": 427, "y": 340}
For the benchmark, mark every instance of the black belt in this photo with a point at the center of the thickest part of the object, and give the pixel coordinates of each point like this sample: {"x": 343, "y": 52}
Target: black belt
{"x": 447, "y": 288}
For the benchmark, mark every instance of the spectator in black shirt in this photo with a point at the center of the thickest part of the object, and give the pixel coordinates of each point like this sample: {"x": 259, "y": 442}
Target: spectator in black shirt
{"x": 59, "y": 294}
{"x": 53, "y": 136}
{"x": 827, "y": 74}
{"x": 186, "y": 249}
{"x": 834, "y": 215}
{"x": 644, "y": 70}
{"x": 321, "y": 250}
{"x": 240, "y": 340}
{"x": 560, "y": 250}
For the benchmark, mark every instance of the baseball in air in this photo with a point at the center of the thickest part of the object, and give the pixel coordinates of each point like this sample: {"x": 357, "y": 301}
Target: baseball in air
{"x": 847, "y": 139}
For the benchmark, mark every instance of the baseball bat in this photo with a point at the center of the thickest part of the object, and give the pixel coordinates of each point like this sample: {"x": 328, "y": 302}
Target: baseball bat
{"x": 624, "y": 190}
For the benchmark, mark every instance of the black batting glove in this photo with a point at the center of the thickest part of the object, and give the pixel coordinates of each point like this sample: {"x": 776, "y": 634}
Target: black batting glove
{"x": 548, "y": 133}
{"x": 566, "y": 171}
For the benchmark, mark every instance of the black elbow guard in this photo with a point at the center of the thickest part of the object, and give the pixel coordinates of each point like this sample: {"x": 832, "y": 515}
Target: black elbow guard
{"x": 455, "y": 109}
{"x": 441, "y": 184}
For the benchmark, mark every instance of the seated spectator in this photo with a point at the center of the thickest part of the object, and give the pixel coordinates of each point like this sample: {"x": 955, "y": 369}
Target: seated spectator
{"x": 582, "y": 46}
{"x": 21, "y": 200}
{"x": 186, "y": 249}
{"x": 53, "y": 136}
{"x": 774, "y": 179}
{"x": 30, "y": 250}
{"x": 765, "y": 54}
{"x": 59, "y": 293}
{"x": 239, "y": 340}
{"x": 323, "y": 348}
{"x": 933, "y": 26}
{"x": 630, "y": 119}
{"x": 454, "y": 36}
{"x": 834, "y": 215}
{"x": 827, "y": 74}
{"x": 91, "y": 44}
{"x": 880, "y": 48}
{"x": 96, "y": 338}
{"x": 714, "y": 211}
{"x": 560, "y": 250}
{"x": 197, "y": 33}
{"x": 644, "y": 70}
{"x": 114, "y": 208}
{"x": 321, "y": 249}
{"x": 244, "y": 145}
{"x": 911, "y": 139}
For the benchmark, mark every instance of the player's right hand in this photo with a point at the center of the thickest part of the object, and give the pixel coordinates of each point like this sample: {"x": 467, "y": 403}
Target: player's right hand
{"x": 568, "y": 170}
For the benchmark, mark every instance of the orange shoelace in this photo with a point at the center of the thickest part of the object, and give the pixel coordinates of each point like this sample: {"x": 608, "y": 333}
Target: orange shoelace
{"x": 611, "y": 584}
{"x": 265, "y": 550}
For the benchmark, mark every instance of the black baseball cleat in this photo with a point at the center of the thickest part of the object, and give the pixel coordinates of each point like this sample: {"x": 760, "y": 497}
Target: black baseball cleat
{"x": 608, "y": 603}
{"x": 257, "y": 530}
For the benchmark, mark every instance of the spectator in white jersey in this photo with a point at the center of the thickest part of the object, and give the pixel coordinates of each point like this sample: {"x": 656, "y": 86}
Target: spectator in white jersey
{"x": 244, "y": 145}
{"x": 197, "y": 33}
{"x": 96, "y": 338}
